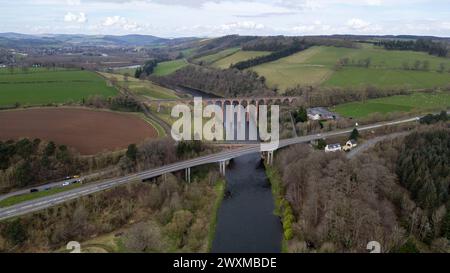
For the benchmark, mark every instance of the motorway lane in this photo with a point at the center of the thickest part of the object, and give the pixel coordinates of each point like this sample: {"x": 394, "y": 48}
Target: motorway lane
{"x": 52, "y": 185}
{"x": 45, "y": 202}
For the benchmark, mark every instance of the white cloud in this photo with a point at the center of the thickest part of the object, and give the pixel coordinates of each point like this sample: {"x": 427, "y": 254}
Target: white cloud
{"x": 73, "y": 2}
{"x": 357, "y": 24}
{"x": 245, "y": 25}
{"x": 75, "y": 18}
{"x": 374, "y": 2}
{"x": 446, "y": 25}
{"x": 121, "y": 22}
{"x": 317, "y": 27}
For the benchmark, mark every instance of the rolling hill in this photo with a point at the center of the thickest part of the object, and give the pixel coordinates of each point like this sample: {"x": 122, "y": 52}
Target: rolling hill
{"x": 16, "y": 40}
{"x": 316, "y": 67}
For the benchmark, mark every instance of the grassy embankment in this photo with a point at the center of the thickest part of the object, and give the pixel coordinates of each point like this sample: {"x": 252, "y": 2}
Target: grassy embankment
{"x": 219, "y": 189}
{"x": 145, "y": 88}
{"x": 167, "y": 68}
{"x": 282, "y": 206}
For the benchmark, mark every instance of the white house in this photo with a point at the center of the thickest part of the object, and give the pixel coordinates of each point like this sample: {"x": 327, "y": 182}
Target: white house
{"x": 350, "y": 145}
{"x": 333, "y": 148}
{"x": 314, "y": 116}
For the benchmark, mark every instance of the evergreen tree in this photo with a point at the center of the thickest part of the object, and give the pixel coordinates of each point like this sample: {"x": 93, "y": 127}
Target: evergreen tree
{"x": 300, "y": 115}
{"x": 355, "y": 134}
{"x": 132, "y": 152}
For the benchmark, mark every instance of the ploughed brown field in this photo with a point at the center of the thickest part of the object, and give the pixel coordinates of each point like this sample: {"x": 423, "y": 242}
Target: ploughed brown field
{"x": 87, "y": 131}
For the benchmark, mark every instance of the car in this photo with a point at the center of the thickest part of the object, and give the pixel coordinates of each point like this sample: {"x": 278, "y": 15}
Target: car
{"x": 34, "y": 190}
{"x": 65, "y": 184}
{"x": 77, "y": 181}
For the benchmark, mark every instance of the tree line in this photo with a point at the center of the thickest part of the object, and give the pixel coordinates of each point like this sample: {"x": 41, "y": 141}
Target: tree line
{"x": 277, "y": 43}
{"x": 296, "y": 47}
{"x": 25, "y": 162}
{"x": 424, "y": 168}
{"x": 146, "y": 69}
{"x": 226, "y": 83}
{"x": 424, "y": 45}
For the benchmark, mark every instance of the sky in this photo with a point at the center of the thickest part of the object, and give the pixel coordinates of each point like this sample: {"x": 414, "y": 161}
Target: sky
{"x": 212, "y": 18}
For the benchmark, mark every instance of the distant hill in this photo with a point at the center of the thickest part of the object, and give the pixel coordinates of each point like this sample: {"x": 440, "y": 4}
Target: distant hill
{"x": 17, "y": 40}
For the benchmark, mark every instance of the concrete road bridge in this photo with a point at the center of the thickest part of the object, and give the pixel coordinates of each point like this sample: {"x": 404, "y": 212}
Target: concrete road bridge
{"x": 222, "y": 158}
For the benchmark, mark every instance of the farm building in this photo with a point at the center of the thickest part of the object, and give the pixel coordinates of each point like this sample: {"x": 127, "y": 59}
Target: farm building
{"x": 320, "y": 113}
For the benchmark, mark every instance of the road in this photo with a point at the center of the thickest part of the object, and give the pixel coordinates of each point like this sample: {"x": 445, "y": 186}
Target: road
{"x": 45, "y": 202}
{"x": 371, "y": 142}
{"x": 52, "y": 185}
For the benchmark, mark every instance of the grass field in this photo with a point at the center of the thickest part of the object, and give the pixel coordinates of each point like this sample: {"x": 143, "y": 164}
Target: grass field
{"x": 143, "y": 88}
{"x": 209, "y": 59}
{"x": 167, "y": 68}
{"x": 416, "y": 101}
{"x": 239, "y": 56}
{"x": 352, "y": 76}
{"x": 41, "y": 86}
{"x": 188, "y": 52}
{"x": 35, "y": 195}
{"x": 315, "y": 66}
{"x": 123, "y": 71}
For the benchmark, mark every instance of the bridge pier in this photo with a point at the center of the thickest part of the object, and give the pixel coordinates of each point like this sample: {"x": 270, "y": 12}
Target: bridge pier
{"x": 188, "y": 175}
{"x": 269, "y": 158}
{"x": 223, "y": 167}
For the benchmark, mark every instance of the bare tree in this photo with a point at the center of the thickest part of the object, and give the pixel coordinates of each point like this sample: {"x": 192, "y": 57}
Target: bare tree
{"x": 143, "y": 237}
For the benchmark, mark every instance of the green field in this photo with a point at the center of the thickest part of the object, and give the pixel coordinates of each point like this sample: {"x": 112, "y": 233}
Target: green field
{"x": 143, "y": 88}
{"x": 416, "y": 101}
{"x": 209, "y": 59}
{"x": 167, "y": 68}
{"x": 41, "y": 86}
{"x": 349, "y": 77}
{"x": 239, "y": 56}
{"x": 315, "y": 66}
{"x": 188, "y": 52}
{"x": 123, "y": 71}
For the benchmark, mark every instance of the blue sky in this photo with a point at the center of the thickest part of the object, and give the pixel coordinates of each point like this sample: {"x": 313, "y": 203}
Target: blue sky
{"x": 209, "y": 18}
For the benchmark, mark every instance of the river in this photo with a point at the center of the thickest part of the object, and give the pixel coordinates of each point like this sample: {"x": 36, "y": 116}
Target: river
{"x": 246, "y": 223}
{"x": 245, "y": 220}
